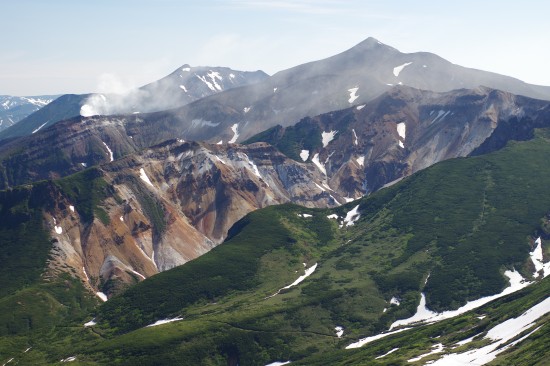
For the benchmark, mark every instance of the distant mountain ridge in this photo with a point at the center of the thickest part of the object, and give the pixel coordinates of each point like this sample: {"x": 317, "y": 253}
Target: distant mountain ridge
{"x": 184, "y": 85}
{"x": 13, "y": 109}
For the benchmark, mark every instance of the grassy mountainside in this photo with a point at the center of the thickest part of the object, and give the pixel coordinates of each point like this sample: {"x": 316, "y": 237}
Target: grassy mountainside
{"x": 461, "y": 222}
{"x": 457, "y": 225}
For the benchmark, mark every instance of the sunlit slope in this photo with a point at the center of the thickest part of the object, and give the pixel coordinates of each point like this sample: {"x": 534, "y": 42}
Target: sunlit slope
{"x": 458, "y": 225}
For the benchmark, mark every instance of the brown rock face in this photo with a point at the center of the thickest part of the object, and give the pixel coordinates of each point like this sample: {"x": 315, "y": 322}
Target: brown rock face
{"x": 172, "y": 203}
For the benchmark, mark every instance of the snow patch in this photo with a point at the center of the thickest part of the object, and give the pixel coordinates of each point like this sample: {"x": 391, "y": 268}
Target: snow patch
{"x": 164, "y": 321}
{"x": 401, "y": 145}
{"x": 353, "y": 94}
{"x": 121, "y": 218}
{"x": 363, "y": 341}
{"x": 254, "y": 167}
{"x": 307, "y": 273}
{"x": 68, "y": 359}
{"x": 423, "y": 314}
{"x": 102, "y": 296}
{"x": 359, "y": 107}
{"x": 138, "y": 274}
{"x": 441, "y": 114}
{"x": 278, "y": 363}
{"x": 319, "y": 165}
{"x": 395, "y": 301}
{"x": 186, "y": 69}
{"x": 58, "y": 229}
{"x": 71, "y": 207}
{"x": 183, "y": 88}
{"x": 90, "y": 323}
{"x": 352, "y": 216}
{"x": 109, "y": 150}
{"x": 328, "y": 137}
{"x": 235, "y": 129}
{"x": 38, "y": 129}
{"x": 500, "y": 335}
{"x": 402, "y": 130}
{"x": 437, "y": 348}
{"x": 538, "y": 260}
{"x": 466, "y": 341}
{"x": 220, "y": 160}
{"x": 304, "y": 154}
{"x": 397, "y": 70}
{"x": 387, "y": 353}
{"x": 361, "y": 160}
{"x": 339, "y": 331}
{"x": 355, "y": 139}
{"x": 321, "y": 188}
{"x": 143, "y": 176}
{"x": 332, "y": 216}
{"x": 305, "y": 215}
{"x": 219, "y": 142}
{"x": 246, "y": 109}
{"x": 85, "y": 274}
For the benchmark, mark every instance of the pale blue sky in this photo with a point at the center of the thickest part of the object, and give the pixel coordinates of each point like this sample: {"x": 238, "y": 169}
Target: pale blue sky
{"x": 74, "y": 46}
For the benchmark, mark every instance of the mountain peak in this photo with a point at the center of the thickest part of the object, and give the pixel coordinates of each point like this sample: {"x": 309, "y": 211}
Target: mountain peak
{"x": 371, "y": 43}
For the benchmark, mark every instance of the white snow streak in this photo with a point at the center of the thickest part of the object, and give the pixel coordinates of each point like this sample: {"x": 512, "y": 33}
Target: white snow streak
{"x": 278, "y": 363}
{"x": 328, "y": 137}
{"x": 397, "y": 70}
{"x": 361, "y": 160}
{"x": 538, "y": 260}
{"x": 38, "y": 129}
{"x": 395, "y": 301}
{"x": 85, "y": 274}
{"x": 183, "y": 88}
{"x": 235, "y": 129}
{"x": 501, "y": 333}
{"x": 90, "y": 323}
{"x": 387, "y": 353}
{"x": 355, "y": 139}
{"x": 402, "y": 130}
{"x": 353, "y": 94}
{"x": 304, "y": 154}
{"x": 143, "y": 176}
{"x": 363, "y": 341}
{"x": 319, "y": 165}
{"x": 333, "y": 216}
{"x": 440, "y": 115}
{"x": 102, "y": 296}
{"x": 109, "y": 150}
{"x": 138, "y": 274}
{"x": 423, "y": 314}
{"x": 164, "y": 321}
{"x": 359, "y": 107}
{"x": 307, "y": 273}
{"x": 437, "y": 348}
{"x": 68, "y": 359}
{"x": 352, "y": 216}
{"x": 339, "y": 331}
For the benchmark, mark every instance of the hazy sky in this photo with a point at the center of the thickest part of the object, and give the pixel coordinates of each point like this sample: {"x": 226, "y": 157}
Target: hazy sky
{"x": 77, "y": 46}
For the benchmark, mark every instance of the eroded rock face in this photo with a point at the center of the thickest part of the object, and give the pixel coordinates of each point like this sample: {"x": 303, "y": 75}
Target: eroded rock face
{"x": 170, "y": 204}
